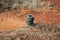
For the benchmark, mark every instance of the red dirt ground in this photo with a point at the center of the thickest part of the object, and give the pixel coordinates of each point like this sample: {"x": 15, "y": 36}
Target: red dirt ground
{"x": 16, "y": 18}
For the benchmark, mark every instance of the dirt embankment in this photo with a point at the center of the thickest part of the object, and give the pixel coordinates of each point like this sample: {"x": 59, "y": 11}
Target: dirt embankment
{"x": 16, "y": 18}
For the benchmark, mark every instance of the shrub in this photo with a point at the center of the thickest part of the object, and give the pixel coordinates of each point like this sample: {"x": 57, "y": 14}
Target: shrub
{"x": 30, "y": 4}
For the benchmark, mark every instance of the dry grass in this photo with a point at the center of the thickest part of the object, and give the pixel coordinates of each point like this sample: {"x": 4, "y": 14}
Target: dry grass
{"x": 32, "y": 33}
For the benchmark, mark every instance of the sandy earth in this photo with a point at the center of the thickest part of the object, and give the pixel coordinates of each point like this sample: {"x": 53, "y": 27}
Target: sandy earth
{"x": 16, "y": 18}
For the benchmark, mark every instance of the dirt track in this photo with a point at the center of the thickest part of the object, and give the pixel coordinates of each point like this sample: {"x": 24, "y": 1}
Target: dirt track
{"x": 16, "y": 19}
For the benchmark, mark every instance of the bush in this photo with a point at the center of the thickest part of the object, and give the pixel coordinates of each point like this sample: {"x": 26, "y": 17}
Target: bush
{"x": 9, "y": 4}
{"x": 30, "y": 4}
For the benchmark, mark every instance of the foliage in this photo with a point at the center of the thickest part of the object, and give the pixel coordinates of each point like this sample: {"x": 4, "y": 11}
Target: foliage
{"x": 31, "y": 4}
